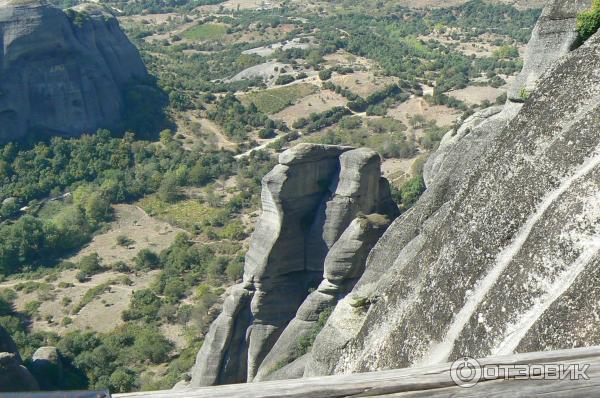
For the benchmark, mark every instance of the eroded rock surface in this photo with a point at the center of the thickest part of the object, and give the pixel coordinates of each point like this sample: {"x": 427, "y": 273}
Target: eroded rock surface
{"x": 554, "y": 35}
{"x": 62, "y": 73}
{"x": 501, "y": 253}
{"x": 324, "y": 207}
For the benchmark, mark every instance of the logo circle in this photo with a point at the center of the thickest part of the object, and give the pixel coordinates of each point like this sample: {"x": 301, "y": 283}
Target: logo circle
{"x": 465, "y": 372}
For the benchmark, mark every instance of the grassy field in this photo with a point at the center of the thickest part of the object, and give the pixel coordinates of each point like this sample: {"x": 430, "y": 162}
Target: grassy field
{"x": 277, "y": 99}
{"x": 186, "y": 213}
{"x": 206, "y": 32}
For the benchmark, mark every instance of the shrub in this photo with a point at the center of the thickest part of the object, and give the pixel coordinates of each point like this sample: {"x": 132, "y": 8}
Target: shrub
{"x": 410, "y": 192}
{"x": 144, "y": 305}
{"x": 306, "y": 341}
{"x": 146, "y": 259}
{"x": 325, "y": 74}
{"x": 89, "y": 265}
{"x": 119, "y": 266}
{"x": 90, "y": 295}
{"x": 234, "y": 271}
{"x": 125, "y": 241}
{"x": 588, "y": 22}
{"x": 32, "y": 308}
{"x": 266, "y": 133}
{"x": 284, "y": 79}
{"x": 97, "y": 208}
{"x": 168, "y": 191}
{"x": 122, "y": 380}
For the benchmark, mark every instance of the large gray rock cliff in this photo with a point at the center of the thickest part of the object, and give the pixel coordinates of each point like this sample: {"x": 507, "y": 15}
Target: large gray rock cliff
{"x": 502, "y": 252}
{"x": 554, "y": 35}
{"x": 324, "y": 207}
{"x": 62, "y": 73}
{"x": 494, "y": 258}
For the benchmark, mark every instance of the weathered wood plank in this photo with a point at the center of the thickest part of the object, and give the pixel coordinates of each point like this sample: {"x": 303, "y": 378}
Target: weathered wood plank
{"x": 431, "y": 381}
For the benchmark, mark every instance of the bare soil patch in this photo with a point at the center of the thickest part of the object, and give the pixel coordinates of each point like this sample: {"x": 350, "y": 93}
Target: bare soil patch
{"x": 315, "y": 103}
{"x": 397, "y": 171}
{"x": 133, "y": 222}
{"x": 477, "y": 94}
{"x": 441, "y": 114}
{"x": 363, "y": 83}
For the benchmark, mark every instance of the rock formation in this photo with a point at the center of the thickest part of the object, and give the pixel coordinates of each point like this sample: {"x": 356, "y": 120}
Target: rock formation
{"x": 13, "y": 375}
{"x": 502, "y": 252}
{"x": 324, "y": 207}
{"x": 554, "y": 35}
{"x": 47, "y": 367}
{"x": 62, "y": 73}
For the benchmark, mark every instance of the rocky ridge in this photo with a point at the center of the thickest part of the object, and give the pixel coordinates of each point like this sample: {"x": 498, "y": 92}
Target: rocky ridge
{"x": 62, "y": 72}
{"x": 501, "y": 253}
{"x": 324, "y": 207}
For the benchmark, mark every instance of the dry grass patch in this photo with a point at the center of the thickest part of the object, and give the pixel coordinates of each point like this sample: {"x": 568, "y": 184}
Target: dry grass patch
{"x": 363, "y": 83}
{"x": 315, "y": 103}
{"x": 277, "y": 99}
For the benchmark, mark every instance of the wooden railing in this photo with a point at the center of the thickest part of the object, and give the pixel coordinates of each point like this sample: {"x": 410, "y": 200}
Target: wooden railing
{"x": 431, "y": 381}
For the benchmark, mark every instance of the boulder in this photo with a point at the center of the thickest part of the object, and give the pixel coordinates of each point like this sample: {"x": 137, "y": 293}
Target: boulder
{"x": 47, "y": 367}
{"x": 14, "y": 377}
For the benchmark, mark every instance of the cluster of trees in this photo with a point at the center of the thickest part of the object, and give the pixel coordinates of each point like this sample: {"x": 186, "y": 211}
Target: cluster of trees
{"x": 391, "y": 40}
{"x": 385, "y": 135}
{"x": 96, "y": 171}
{"x": 318, "y": 121}
{"x": 238, "y": 120}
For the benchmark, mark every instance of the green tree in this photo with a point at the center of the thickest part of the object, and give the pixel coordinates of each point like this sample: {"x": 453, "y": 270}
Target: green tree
{"x": 122, "y": 380}
{"x": 168, "y": 190}
{"x": 146, "y": 259}
{"x": 97, "y": 208}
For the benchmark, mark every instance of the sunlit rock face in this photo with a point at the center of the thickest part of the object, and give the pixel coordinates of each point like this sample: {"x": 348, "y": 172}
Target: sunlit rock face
{"x": 500, "y": 255}
{"x": 324, "y": 207}
{"x": 62, "y": 73}
{"x": 554, "y": 35}
{"x": 502, "y": 252}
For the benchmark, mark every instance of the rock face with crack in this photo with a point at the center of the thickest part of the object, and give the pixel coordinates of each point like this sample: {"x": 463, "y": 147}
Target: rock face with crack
{"x": 324, "y": 207}
{"x": 554, "y": 35}
{"x": 500, "y": 255}
{"x": 502, "y": 252}
{"x": 62, "y": 73}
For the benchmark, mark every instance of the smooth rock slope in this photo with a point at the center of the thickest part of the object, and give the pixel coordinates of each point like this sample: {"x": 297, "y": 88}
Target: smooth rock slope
{"x": 502, "y": 252}
{"x": 324, "y": 207}
{"x": 62, "y": 73}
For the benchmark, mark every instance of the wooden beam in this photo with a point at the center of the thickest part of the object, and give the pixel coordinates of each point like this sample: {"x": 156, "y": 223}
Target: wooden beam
{"x": 431, "y": 381}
